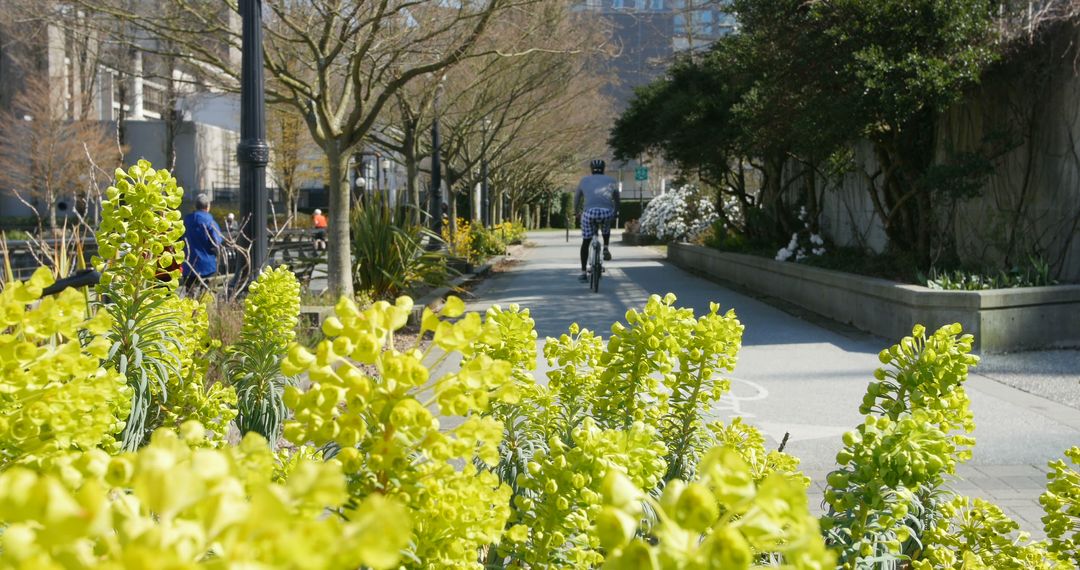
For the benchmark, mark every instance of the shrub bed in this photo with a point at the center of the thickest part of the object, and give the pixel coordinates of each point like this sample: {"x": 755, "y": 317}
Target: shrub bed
{"x": 113, "y": 450}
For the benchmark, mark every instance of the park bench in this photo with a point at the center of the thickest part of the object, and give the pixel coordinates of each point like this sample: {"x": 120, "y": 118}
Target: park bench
{"x": 298, "y": 252}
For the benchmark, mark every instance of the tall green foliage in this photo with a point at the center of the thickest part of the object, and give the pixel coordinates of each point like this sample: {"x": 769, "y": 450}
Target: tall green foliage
{"x": 1062, "y": 505}
{"x": 635, "y": 406}
{"x": 888, "y": 500}
{"x": 389, "y": 254}
{"x": 454, "y": 455}
{"x": 806, "y": 80}
{"x": 271, "y": 313}
{"x": 138, "y": 240}
{"x": 158, "y": 340}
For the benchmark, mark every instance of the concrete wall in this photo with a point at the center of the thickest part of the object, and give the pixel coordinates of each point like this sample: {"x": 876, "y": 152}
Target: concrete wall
{"x": 1030, "y": 204}
{"x": 205, "y": 155}
{"x": 847, "y": 212}
{"x": 1002, "y": 320}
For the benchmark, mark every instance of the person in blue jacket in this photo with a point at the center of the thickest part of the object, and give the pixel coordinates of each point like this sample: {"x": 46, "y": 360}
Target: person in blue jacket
{"x": 202, "y": 239}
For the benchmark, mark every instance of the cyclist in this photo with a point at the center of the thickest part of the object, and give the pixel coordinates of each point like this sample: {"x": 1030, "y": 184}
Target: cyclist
{"x": 597, "y": 199}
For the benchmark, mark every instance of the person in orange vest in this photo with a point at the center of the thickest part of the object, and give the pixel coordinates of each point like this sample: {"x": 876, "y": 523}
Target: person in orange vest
{"x": 318, "y": 220}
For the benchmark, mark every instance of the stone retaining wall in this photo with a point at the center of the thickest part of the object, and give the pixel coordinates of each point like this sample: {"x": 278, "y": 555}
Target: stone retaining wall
{"x": 1002, "y": 320}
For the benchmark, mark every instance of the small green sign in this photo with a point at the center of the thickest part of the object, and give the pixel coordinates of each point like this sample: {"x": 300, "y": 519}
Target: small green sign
{"x": 641, "y": 173}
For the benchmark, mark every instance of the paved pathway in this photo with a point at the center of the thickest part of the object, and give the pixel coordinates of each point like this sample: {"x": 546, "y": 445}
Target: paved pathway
{"x": 799, "y": 376}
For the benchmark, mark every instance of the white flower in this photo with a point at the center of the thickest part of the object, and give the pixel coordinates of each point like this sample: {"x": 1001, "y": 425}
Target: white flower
{"x": 676, "y": 215}
{"x": 816, "y": 239}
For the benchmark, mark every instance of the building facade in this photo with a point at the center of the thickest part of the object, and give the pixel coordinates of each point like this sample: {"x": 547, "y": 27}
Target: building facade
{"x": 649, "y": 35}
{"x": 155, "y": 108}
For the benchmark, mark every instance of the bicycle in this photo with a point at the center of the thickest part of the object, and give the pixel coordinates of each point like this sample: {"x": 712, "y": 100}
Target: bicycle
{"x": 596, "y": 264}
{"x": 596, "y": 258}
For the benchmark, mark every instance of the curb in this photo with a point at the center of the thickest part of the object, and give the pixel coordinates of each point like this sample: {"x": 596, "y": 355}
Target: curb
{"x": 435, "y": 298}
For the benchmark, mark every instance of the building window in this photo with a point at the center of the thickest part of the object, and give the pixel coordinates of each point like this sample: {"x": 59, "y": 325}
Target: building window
{"x": 154, "y": 99}
{"x": 706, "y": 23}
{"x": 657, "y": 4}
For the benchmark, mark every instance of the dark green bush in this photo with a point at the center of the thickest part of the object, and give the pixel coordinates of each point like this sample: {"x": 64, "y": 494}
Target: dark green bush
{"x": 630, "y": 210}
{"x": 390, "y": 257}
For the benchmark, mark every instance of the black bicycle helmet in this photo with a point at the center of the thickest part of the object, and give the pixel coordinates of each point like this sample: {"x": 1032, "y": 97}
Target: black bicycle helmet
{"x": 597, "y": 166}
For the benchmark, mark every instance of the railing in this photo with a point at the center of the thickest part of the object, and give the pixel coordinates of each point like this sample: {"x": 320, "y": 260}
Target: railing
{"x": 292, "y": 246}
{"x": 26, "y": 256}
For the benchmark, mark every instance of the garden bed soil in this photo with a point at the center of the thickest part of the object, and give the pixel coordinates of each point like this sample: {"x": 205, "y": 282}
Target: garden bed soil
{"x": 1002, "y": 320}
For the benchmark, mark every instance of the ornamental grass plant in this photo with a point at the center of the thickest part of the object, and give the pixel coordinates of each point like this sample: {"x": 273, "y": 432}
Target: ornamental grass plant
{"x": 389, "y": 254}
{"x": 453, "y": 454}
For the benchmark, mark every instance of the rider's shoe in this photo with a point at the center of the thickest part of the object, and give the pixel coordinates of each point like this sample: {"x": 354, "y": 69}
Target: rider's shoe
{"x": 583, "y": 278}
{"x": 607, "y": 254}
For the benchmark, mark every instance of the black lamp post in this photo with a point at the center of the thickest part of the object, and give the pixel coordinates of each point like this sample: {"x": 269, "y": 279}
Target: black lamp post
{"x": 436, "y": 172}
{"x": 485, "y": 198}
{"x": 253, "y": 153}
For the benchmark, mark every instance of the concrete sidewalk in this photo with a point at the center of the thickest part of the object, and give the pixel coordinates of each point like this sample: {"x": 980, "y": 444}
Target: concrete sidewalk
{"x": 803, "y": 376}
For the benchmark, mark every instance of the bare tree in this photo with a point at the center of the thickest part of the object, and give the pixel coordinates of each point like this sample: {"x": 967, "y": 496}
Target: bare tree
{"x": 44, "y": 155}
{"x": 528, "y": 68}
{"x": 294, "y": 156}
{"x": 404, "y": 130}
{"x": 338, "y": 62}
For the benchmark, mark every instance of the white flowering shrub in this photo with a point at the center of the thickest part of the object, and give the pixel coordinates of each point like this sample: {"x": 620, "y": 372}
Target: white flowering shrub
{"x": 803, "y": 244}
{"x": 678, "y": 215}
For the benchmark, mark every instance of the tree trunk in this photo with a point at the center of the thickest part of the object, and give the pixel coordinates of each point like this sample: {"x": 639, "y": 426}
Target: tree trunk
{"x": 338, "y": 258}
{"x": 908, "y": 207}
{"x": 772, "y": 194}
{"x": 451, "y": 207}
{"x": 813, "y": 209}
{"x": 452, "y": 213}
{"x": 50, "y": 204}
{"x": 412, "y": 172}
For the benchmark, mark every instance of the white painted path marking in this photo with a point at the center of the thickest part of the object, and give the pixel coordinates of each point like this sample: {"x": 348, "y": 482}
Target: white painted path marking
{"x": 732, "y": 401}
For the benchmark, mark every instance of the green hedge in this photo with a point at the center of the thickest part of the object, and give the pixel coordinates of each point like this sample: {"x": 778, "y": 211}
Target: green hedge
{"x": 630, "y": 210}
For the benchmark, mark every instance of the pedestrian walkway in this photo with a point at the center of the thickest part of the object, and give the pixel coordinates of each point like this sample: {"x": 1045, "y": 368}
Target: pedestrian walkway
{"x": 794, "y": 375}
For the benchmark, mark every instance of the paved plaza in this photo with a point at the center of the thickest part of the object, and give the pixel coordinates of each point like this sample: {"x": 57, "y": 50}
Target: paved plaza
{"x": 801, "y": 375}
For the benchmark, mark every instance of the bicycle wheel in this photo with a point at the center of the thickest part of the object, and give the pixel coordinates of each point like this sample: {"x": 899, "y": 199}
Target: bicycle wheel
{"x": 597, "y": 269}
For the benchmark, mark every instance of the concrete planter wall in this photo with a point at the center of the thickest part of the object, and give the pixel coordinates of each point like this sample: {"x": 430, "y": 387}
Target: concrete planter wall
{"x": 1002, "y": 320}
